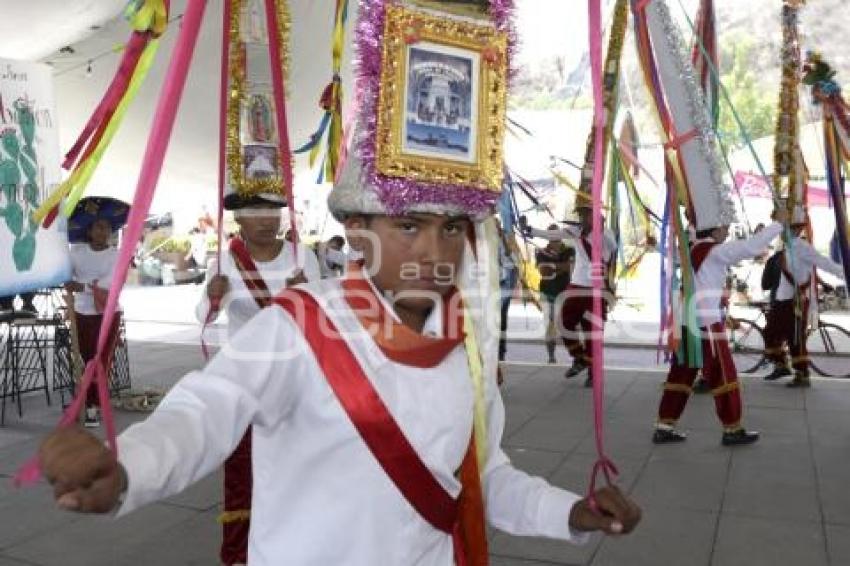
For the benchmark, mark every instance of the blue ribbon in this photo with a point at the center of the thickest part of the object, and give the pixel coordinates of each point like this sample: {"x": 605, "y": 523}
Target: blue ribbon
{"x": 316, "y": 137}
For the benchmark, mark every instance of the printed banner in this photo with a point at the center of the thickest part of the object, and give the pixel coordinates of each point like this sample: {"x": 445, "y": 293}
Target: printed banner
{"x": 30, "y": 257}
{"x": 755, "y": 186}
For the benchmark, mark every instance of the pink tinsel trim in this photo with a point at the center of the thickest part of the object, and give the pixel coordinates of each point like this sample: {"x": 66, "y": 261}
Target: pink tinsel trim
{"x": 398, "y": 194}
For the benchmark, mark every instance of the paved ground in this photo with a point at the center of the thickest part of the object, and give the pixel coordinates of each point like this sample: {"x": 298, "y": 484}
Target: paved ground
{"x": 781, "y": 502}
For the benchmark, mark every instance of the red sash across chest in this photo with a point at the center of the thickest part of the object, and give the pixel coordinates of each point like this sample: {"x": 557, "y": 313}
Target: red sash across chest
{"x": 462, "y": 517}
{"x": 250, "y": 274}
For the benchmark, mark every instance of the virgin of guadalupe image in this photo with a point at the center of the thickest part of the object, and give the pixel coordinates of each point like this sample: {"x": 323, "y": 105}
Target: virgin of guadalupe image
{"x": 260, "y": 126}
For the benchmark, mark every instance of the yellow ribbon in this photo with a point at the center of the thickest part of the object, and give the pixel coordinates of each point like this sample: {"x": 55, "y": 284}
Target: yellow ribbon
{"x": 73, "y": 187}
{"x": 91, "y": 164}
{"x": 335, "y": 126}
{"x": 476, "y": 372}
{"x": 151, "y": 15}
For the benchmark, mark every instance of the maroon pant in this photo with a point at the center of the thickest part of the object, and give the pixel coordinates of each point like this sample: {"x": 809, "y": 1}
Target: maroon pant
{"x": 784, "y": 325}
{"x": 88, "y": 329}
{"x": 576, "y": 316}
{"x": 718, "y": 369}
{"x": 237, "y": 504}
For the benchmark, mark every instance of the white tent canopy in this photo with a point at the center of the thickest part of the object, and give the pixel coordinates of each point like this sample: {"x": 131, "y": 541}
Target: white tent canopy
{"x": 189, "y": 175}
{"x": 95, "y": 30}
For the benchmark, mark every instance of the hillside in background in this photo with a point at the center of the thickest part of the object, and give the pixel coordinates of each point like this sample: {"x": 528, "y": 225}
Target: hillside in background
{"x": 749, "y": 37}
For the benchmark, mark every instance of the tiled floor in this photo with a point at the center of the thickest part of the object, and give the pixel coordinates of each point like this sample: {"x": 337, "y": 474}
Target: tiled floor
{"x": 783, "y": 501}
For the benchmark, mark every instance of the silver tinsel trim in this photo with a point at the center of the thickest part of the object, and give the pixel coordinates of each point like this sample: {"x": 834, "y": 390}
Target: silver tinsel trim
{"x": 698, "y": 110}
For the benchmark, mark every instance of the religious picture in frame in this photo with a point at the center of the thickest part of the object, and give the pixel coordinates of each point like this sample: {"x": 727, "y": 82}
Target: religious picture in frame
{"x": 261, "y": 162}
{"x": 441, "y": 108}
{"x": 258, "y": 119}
{"x": 440, "y": 99}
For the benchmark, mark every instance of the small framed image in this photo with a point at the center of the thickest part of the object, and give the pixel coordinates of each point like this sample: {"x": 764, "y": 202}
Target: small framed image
{"x": 258, "y": 119}
{"x": 261, "y": 162}
{"x": 441, "y": 108}
{"x": 439, "y": 114}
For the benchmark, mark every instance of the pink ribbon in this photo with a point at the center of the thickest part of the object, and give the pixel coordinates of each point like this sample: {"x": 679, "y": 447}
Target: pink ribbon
{"x": 222, "y": 124}
{"x": 132, "y": 52}
{"x": 602, "y": 464}
{"x": 215, "y": 305}
{"x": 280, "y": 111}
{"x": 166, "y": 112}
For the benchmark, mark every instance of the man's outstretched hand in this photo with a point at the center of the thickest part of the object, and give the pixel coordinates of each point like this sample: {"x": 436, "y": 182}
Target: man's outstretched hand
{"x": 85, "y": 475}
{"x": 615, "y": 514}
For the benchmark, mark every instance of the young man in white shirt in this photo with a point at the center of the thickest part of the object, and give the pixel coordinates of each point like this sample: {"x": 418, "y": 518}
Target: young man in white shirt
{"x": 788, "y": 317}
{"x": 577, "y": 308}
{"x": 257, "y": 266}
{"x": 711, "y": 257}
{"x": 372, "y": 441}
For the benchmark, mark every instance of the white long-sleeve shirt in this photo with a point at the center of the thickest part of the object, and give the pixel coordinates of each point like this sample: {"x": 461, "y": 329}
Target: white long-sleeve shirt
{"x": 238, "y": 302}
{"x": 710, "y": 278}
{"x": 804, "y": 259}
{"x": 88, "y": 266}
{"x": 319, "y": 495}
{"x": 582, "y": 267}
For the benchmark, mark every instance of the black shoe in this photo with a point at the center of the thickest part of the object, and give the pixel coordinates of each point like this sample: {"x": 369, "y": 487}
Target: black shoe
{"x": 777, "y": 373}
{"x": 739, "y": 437}
{"x": 576, "y": 369}
{"x": 551, "y": 359}
{"x": 701, "y": 386}
{"x": 799, "y": 382}
{"x": 668, "y": 436}
{"x": 588, "y": 381}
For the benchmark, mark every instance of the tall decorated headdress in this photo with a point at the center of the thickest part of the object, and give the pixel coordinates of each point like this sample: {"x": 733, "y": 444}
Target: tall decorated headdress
{"x": 693, "y": 158}
{"x": 255, "y": 171}
{"x": 431, "y": 100}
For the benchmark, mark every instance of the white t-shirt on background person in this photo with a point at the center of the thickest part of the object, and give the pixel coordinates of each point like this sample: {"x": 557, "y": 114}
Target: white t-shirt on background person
{"x": 88, "y": 266}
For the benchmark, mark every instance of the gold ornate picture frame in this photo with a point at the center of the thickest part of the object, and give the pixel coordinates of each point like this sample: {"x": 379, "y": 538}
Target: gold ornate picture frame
{"x": 441, "y": 108}
{"x": 252, "y": 139}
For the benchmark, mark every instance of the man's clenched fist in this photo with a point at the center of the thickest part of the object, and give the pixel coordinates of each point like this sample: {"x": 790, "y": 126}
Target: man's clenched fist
{"x": 85, "y": 475}
{"x": 613, "y": 514}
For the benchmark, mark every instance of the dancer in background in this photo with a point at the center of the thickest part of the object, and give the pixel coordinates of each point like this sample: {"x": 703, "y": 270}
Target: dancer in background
{"x": 555, "y": 262}
{"x": 257, "y": 266}
{"x": 578, "y": 298}
{"x": 788, "y": 317}
{"x": 711, "y": 257}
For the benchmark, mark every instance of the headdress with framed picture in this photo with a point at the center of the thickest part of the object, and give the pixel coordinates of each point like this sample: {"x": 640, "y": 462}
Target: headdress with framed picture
{"x": 253, "y": 161}
{"x": 429, "y": 132}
